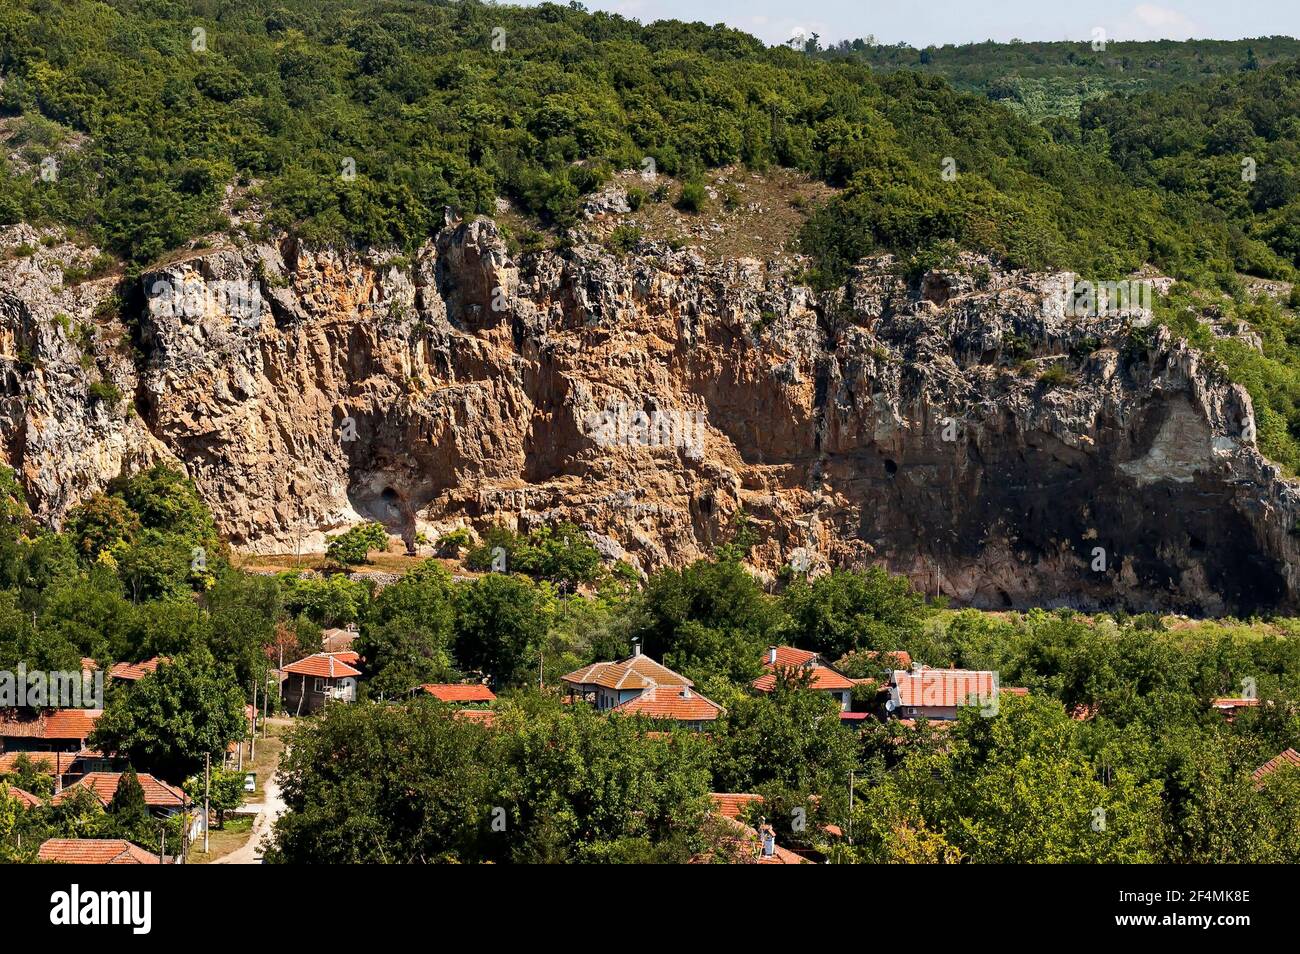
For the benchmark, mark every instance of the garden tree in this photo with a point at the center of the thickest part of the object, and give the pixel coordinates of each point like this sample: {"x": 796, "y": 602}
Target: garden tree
{"x": 790, "y": 737}
{"x": 156, "y": 565}
{"x": 30, "y": 563}
{"x": 1015, "y": 787}
{"x": 104, "y": 523}
{"x": 407, "y": 632}
{"x": 90, "y": 612}
{"x": 33, "y": 773}
{"x": 328, "y": 601}
{"x": 164, "y": 499}
{"x": 710, "y": 621}
{"x": 165, "y": 627}
{"x": 844, "y": 610}
{"x": 501, "y": 620}
{"x": 243, "y": 608}
{"x": 1278, "y": 834}
{"x": 167, "y": 721}
{"x": 384, "y": 783}
{"x": 25, "y": 642}
{"x": 224, "y": 788}
{"x": 127, "y": 814}
{"x": 564, "y": 555}
{"x": 78, "y": 815}
{"x": 292, "y": 640}
{"x": 353, "y": 546}
{"x": 584, "y": 787}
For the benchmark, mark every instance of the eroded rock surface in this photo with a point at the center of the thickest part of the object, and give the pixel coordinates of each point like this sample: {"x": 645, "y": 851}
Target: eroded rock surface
{"x": 646, "y": 398}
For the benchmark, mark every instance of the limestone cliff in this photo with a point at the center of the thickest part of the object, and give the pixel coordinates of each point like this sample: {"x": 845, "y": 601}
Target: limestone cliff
{"x": 645, "y": 398}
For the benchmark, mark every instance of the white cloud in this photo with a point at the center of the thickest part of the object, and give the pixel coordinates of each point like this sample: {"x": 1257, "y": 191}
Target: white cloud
{"x": 1150, "y": 21}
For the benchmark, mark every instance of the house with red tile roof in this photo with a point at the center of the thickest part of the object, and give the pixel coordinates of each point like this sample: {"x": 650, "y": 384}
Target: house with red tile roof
{"x": 682, "y": 704}
{"x": 484, "y": 717}
{"x": 638, "y": 685}
{"x": 734, "y": 842}
{"x": 1289, "y": 759}
{"x": 319, "y": 678}
{"x": 94, "y": 851}
{"x": 133, "y": 672}
{"x": 51, "y": 730}
{"x": 456, "y": 692}
{"x": 24, "y": 798}
{"x": 922, "y": 692}
{"x": 820, "y": 675}
{"x": 161, "y": 798}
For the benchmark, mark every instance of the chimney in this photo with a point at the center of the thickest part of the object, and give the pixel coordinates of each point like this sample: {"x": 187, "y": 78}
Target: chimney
{"x": 636, "y": 647}
{"x": 771, "y": 655}
{"x": 686, "y": 692}
{"x": 768, "y": 837}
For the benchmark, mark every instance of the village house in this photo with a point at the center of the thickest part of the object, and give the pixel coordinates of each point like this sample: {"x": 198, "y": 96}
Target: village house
{"x": 133, "y": 672}
{"x": 311, "y": 682}
{"x": 638, "y": 685}
{"x": 1290, "y": 758}
{"x": 94, "y": 851}
{"x": 821, "y": 677}
{"x": 161, "y": 799}
{"x": 924, "y": 693}
{"x": 457, "y": 692}
{"x": 59, "y": 731}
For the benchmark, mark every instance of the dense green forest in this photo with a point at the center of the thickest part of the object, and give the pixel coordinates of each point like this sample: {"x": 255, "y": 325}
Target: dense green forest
{"x": 1054, "y": 78}
{"x": 453, "y": 103}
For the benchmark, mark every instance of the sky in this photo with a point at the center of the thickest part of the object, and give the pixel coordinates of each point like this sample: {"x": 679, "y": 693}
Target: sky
{"x": 923, "y": 22}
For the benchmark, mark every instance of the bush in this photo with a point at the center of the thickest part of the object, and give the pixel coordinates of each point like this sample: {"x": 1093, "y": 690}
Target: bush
{"x": 693, "y": 198}
{"x": 354, "y": 546}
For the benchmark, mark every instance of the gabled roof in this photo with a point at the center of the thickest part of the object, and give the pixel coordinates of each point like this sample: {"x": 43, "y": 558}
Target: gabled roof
{"x": 327, "y": 665}
{"x": 26, "y": 798}
{"x": 679, "y": 703}
{"x": 947, "y": 687}
{"x": 133, "y": 671}
{"x": 747, "y": 846}
{"x": 95, "y": 851}
{"x": 787, "y": 657}
{"x": 634, "y": 672}
{"x": 157, "y": 794}
{"x": 44, "y": 762}
{"x": 1224, "y": 702}
{"x": 1288, "y": 758}
{"x": 459, "y": 692}
{"x": 337, "y": 640}
{"x": 733, "y": 804}
{"x": 70, "y": 724}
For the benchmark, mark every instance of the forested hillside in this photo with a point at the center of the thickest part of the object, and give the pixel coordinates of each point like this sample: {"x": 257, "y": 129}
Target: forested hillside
{"x": 454, "y": 103}
{"x": 1054, "y": 78}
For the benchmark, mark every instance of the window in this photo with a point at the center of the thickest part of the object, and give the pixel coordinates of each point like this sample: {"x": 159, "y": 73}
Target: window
{"x": 318, "y": 685}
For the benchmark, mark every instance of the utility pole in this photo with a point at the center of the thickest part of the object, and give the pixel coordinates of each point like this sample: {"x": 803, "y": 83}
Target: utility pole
{"x": 207, "y": 790}
{"x": 252, "y": 729}
{"x": 850, "y": 807}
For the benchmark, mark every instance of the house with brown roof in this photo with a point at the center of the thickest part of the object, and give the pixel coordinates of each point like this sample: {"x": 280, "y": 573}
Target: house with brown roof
{"x": 161, "y": 798}
{"x": 24, "y": 798}
{"x": 638, "y": 685}
{"x": 734, "y": 842}
{"x": 458, "y": 692}
{"x": 1289, "y": 758}
{"x": 133, "y": 672}
{"x": 94, "y": 851}
{"x": 925, "y": 693}
{"x": 322, "y": 677}
{"x": 50, "y": 730}
{"x": 821, "y": 676}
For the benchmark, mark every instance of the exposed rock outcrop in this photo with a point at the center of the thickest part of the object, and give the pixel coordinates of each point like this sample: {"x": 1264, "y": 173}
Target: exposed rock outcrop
{"x": 648, "y": 397}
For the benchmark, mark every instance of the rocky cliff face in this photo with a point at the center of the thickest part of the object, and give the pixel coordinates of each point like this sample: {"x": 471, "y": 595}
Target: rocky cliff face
{"x": 646, "y": 398}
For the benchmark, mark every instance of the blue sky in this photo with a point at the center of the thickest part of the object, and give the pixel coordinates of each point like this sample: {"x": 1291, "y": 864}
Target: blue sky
{"x": 921, "y": 22}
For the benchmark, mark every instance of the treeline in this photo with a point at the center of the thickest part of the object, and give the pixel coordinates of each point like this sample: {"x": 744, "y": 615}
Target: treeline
{"x": 1041, "y": 79}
